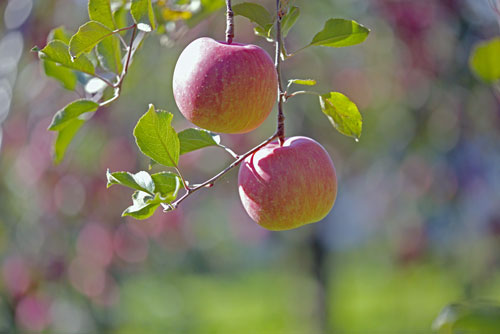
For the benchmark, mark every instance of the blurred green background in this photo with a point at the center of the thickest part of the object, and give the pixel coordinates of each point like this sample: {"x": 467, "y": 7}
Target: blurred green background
{"x": 416, "y": 224}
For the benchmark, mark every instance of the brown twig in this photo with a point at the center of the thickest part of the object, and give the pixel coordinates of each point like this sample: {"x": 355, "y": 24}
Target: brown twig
{"x": 229, "y": 22}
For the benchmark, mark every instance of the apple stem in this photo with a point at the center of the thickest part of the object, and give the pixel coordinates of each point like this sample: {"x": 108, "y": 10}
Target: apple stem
{"x": 229, "y": 22}
{"x": 281, "y": 94}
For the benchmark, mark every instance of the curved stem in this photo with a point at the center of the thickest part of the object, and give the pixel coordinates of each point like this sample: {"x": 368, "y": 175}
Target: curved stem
{"x": 229, "y": 22}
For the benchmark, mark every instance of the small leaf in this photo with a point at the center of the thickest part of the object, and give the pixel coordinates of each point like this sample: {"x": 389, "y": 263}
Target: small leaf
{"x": 194, "y": 139}
{"x": 109, "y": 54}
{"x": 100, "y": 11}
{"x": 289, "y": 20}
{"x": 167, "y": 185}
{"x": 340, "y": 33}
{"x": 484, "y": 60}
{"x": 144, "y": 205}
{"x": 305, "y": 82}
{"x": 87, "y": 37}
{"x": 64, "y": 75}
{"x": 57, "y": 51}
{"x": 156, "y": 137}
{"x": 143, "y": 15}
{"x": 264, "y": 32}
{"x": 71, "y": 112}
{"x": 59, "y": 33}
{"x": 343, "y": 114}
{"x": 64, "y": 138}
{"x": 140, "y": 181}
{"x": 254, "y": 12}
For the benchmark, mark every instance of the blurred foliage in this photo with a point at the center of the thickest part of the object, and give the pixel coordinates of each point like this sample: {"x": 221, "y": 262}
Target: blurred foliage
{"x": 416, "y": 225}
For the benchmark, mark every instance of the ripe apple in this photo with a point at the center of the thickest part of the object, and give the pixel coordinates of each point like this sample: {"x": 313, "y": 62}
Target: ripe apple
{"x": 222, "y": 87}
{"x": 284, "y": 187}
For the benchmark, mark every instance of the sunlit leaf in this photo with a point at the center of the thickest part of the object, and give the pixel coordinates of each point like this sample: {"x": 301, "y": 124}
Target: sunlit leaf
{"x": 143, "y": 15}
{"x": 144, "y": 205}
{"x": 194, "y": 139}
{"x": 156, "y": 137}
{"x": 140, "y": 181}
{"x": 340, "y": 33}
{"x": 169, "y": 14}
{"x": 64, "y": 138}
{"x": 254, "y": 12}
{"x": 59, "y": 33}
{"x": 87, "y": 37}
{"x": 167, "y": 185}
{"x": 57, "y": 51}
{"x": 100, "y": 11}
{"x": 343, "y": 113}
{"x": 64, "y": 75}
{"x": 485, "y": 60}
{"x": 305, "y": 82}
{"x": 71, "y": 112}
{"x": 110, "y": 55}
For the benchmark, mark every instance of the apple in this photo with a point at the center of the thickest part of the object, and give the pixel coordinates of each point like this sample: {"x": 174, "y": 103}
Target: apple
{"x": 229, "y": 88}
{"x": 284, "y": 187}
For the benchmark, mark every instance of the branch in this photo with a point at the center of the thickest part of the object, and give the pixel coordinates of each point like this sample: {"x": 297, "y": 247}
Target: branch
{"x": 118, "y": 85}
{"x": 210, "y": 182}
{"x": 279, "y": 42}
{"x": 229, "y": 22}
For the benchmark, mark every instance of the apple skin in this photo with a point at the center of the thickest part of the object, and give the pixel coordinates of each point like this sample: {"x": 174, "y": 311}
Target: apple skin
{"x": 229, "y": 88}
{"x": 286, "y": 187}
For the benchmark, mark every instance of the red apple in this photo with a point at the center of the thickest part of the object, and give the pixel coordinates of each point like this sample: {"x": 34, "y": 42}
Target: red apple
{"x": 222, "y": 87}
{"x": 284, "y": 187}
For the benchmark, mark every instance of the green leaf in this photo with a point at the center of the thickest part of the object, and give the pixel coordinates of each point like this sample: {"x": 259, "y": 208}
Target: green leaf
{"x": 87, "y": 37}
{"x": 484, "y": 60}
{"x": 194, "y": 139}
{"x": 71, "y": 112}
{"x": 100, "y": 11}
{"x": 254, "y": 12}
{"x": 289, "y": 20}
{"x": 140, "y": 181}
{"x": 144, "y": 205}
{"x": 264, "y": 32}
{"x": 471, "y": 317}
{"x": 143, "y": 15}
{"x": 110, "y": 55}
{"x": 65, "y": 76}
{"x": 167, "y": 185}
{"x": 57, "y": 51}
{"x": 64, "y": 138}
{"x": 305, "y": 82}
{"x": 59, "y": 33}
{"x": 343, "y": 114}
{"x": 156, "y": 137}
{"x": 339, "y": 33}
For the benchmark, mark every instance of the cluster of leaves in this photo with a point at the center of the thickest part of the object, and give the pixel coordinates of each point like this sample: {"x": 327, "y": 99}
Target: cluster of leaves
{"x": 96, "y": 57}
{"x": 158, "y": 140}
{"x": 339, "y": 109}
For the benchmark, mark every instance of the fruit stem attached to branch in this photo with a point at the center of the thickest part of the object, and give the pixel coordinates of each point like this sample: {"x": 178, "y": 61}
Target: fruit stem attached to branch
{"x": 279, "y": 42}
{"x": 229, "y": 22}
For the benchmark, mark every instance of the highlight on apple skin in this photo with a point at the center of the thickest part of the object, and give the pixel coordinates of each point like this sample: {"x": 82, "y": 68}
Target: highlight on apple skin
{"x": 286, "y": 187}
{"x": 229, "y": 88}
